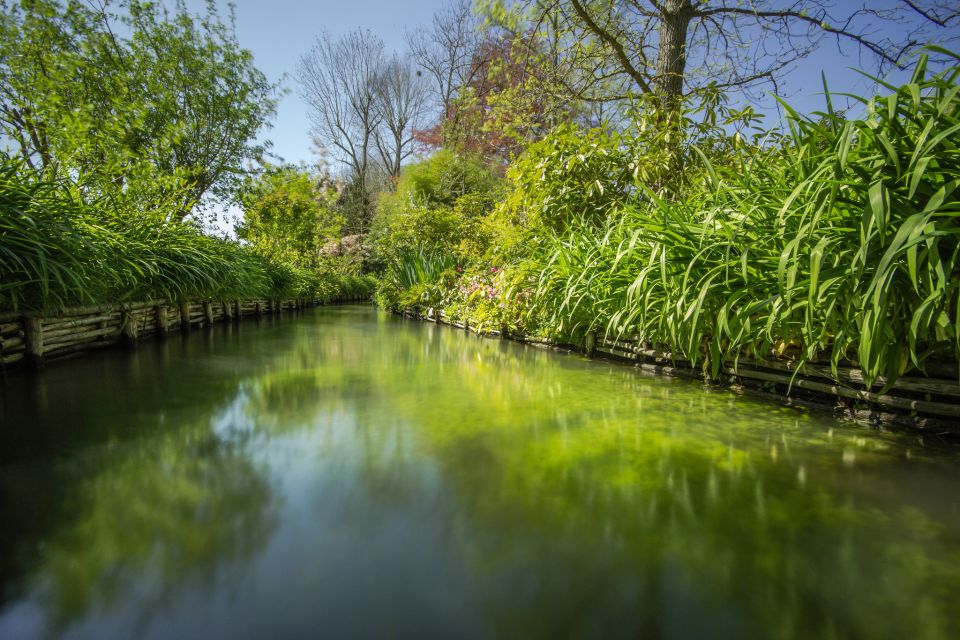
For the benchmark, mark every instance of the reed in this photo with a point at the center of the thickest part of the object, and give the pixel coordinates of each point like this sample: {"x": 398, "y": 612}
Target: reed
{"x": 839, "y": 244}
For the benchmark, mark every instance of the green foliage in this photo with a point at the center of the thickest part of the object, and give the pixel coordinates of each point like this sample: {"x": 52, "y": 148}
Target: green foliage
{"x": 572, "y": 176}
{"x": 431, "y": 222}
{"x": 57, "y": 249}
{"x": 414, "y": 279}
{"x": 577, "y": 177}
{"x": 837, "y": 242}
{"x": 288, "y": 215}
{"x": 150, "y": 107}
{"x": 420, "y": 228}
{"x": 441, "y": 179}
{"x": 842, "y": 244}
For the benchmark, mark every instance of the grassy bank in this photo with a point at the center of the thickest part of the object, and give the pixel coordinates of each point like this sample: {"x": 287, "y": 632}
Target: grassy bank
{"x": 57, "y": 249}
{"x": 836, "y": 241}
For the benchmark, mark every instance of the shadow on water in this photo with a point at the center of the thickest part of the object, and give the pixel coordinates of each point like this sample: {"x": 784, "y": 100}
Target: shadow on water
{"x": 354, "y": 474}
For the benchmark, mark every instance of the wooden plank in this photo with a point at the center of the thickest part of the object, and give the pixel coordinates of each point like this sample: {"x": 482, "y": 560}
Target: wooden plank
{"x": 128, "y": 328}
{"x": 10, "y": 327}
{"x": 162, "y": 321}
{"x": 52, "y": 333}
{"x": 185, "y": 318}
{"x": 70, "y": 349}
{"x": 86, "y": 336}
{"x": 51, "y": 327}
{"x": 13, "y": 358}
{"x": 78, "y": 338}
{"x": 855, "y": 376}
{"x": 11, "y": 342}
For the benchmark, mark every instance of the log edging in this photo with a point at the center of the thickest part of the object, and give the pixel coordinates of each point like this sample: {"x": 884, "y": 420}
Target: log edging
{"x": 930, "y": 404}
{"x": 33, "y": 339}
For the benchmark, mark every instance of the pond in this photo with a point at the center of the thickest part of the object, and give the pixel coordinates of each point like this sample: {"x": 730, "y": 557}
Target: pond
{"x": 346, "y": 473}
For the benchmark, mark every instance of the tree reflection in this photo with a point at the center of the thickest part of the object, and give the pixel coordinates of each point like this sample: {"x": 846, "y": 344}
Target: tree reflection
{"x": 575, "y": 498}
{"x": 604, "y": 502}
{"x": 155, "y": 516}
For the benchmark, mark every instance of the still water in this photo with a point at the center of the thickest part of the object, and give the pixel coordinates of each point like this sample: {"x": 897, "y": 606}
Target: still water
{"x": 346, "y": 473}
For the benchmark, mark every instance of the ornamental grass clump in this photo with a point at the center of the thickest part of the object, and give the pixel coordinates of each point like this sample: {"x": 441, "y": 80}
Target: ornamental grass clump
{"x": 59, "y": 250}
{"x": 840, "y": 243}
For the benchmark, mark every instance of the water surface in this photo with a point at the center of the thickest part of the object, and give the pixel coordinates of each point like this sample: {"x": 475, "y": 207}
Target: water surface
{"x": 345, "y": 473}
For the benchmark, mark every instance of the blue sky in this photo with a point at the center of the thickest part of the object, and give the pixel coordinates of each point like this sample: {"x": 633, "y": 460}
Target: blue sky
{"x": 279, "y": 32}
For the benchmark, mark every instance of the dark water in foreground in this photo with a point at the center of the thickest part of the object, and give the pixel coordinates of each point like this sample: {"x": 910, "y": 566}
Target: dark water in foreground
{"x": 349, "y": 474}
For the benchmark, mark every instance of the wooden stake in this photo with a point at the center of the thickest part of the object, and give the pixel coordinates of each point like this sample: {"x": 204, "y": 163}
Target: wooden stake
{"x": 33, "y": 331}
{"x": 184, "y": 316}
{"x": 128, "y": 328}
{"x": 163, "y": 322}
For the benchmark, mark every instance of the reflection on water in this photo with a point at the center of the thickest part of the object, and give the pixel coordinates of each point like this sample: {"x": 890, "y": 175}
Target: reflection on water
{"x": 351, "y": 474}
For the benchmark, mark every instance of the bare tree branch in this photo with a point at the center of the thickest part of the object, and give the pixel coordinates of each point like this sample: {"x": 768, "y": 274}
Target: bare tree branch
{"x": 618, "y": 49}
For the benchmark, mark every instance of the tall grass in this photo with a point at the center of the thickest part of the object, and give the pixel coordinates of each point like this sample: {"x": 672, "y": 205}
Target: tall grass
{"x": 840, "y": 244}
{"x": 57, "y": 249}
{"x": 420, "y": 267}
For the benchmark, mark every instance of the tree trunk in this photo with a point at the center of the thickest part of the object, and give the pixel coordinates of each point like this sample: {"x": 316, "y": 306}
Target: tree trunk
{"x": 668, "y": 82}
{"x": 672, "y": 53}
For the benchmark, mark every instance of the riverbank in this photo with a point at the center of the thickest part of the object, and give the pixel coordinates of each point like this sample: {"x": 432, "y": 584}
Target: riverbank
{"x": 930, "y": 405}
{"x": 32, "y": 339}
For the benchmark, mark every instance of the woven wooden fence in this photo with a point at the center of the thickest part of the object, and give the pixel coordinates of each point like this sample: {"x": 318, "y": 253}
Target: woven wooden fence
{"x": 34, "y": 339}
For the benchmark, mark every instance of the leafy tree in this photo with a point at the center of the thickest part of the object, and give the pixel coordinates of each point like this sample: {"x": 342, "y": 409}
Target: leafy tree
{"x": 505, "y": 89}
{"x": 155, "y": 108}
{"x": 442, "y": 179}
{"x": 288, "y": 215}
{"x": 512, "y": 101}
{"x": 438, "y": 204}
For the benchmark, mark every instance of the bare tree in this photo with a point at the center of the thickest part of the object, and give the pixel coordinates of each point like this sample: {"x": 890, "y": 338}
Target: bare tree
{"x": 446, "y": 50}
{"x": 672, "y": 47}
{"x": 402, "y": 103}
{"x": 340, "y": 81}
